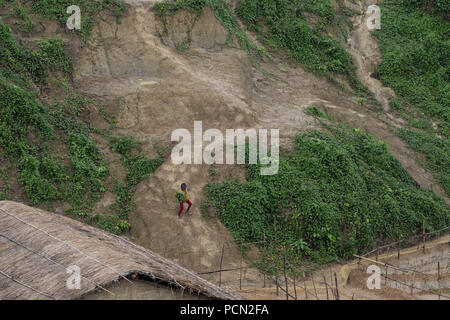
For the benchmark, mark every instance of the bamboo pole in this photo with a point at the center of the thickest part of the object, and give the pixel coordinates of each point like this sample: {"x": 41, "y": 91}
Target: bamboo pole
{"x": 264, "y": 261}
{"x": 337, "y": 290}
{"x": 276, "y": 252}
{"x": 282, "y": 289}
{"x": 240, "y": 270}
{"x": 326, "y": 285}
{"x": 314, "y": 285}
{"x": 400, "y": 241}
{"x": 389, "y": 265}
{"x": 331, "y": 287}
{"x": 220, "y": 268}
{"x": 418, "y": 288}
{"x": 306, "y": 290}
{"x": 438, "y": 279}
{"x": 26, "y": 285}
{"x": 304, "y": 284}
{"x": 439, "y": 271}
{"x": 200, "y": 260}
{"x": 423, "y": 234}
{"x": 385, "y": 275}
{"x": 285, "y": 277}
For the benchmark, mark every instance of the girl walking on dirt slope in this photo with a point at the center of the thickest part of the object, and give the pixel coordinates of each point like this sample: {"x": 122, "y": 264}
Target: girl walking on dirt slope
{"x": 182, "y": 197}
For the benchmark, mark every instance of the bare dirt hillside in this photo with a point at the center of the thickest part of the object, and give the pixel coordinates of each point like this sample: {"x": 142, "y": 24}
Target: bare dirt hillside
{"x": 138, "y": 70}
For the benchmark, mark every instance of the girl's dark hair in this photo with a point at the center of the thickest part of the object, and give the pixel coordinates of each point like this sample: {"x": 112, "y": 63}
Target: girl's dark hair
{"x": 183, "y": 186}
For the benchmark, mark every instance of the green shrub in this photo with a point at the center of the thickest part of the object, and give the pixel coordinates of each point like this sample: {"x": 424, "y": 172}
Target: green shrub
{"x": 110, "y": 223}
{"x": 88, "y": 170}
{"x": 25, "y": 24}
{"x": 333, "y": 196}
{"x": 43, "y": 176}
{"x": 139, "y": 168}
{"x": 416, "y": 54}
{"x": 433, "y": 6}
{"x": 29, "y": 127}
{"x": 36, "y": 186}
{"x": 123, "y": 145}
{"x": 314, "y": 111}
{"x": 288, "y": 29}
{"x": 167, "y": 8}
{"x": 437, "y": 151}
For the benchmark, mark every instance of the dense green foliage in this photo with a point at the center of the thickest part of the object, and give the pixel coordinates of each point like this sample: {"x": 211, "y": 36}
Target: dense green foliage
{"x": 416, "y": 58}
{"x": 76, "y": 178}
{"x": 139, "y": 167}
{"x": 283, "y": 24}
{"x": 334, "y": 196}
{"x": 287, "y": 28}
{"x": 47, "y": 143}
{"x": 415, "y": 46}
{"x": 44, "y": 176}
{"x": 438, "y": 7}
{"x": 437, "y": 151}
{"x": 25, "y": 23}
{"x": 29, "y": 128}
{"x": 25, "y": 66}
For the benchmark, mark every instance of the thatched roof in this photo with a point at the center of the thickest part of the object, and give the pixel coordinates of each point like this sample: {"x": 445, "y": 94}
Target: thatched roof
{"x": 36, "y": 247}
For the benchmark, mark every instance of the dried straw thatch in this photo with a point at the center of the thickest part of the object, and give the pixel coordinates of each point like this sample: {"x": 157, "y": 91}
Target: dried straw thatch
{"x": 37, "y": 247}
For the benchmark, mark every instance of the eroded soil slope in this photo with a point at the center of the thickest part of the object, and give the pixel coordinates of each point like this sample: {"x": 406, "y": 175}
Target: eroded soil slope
{"x": 138, "y": 70}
